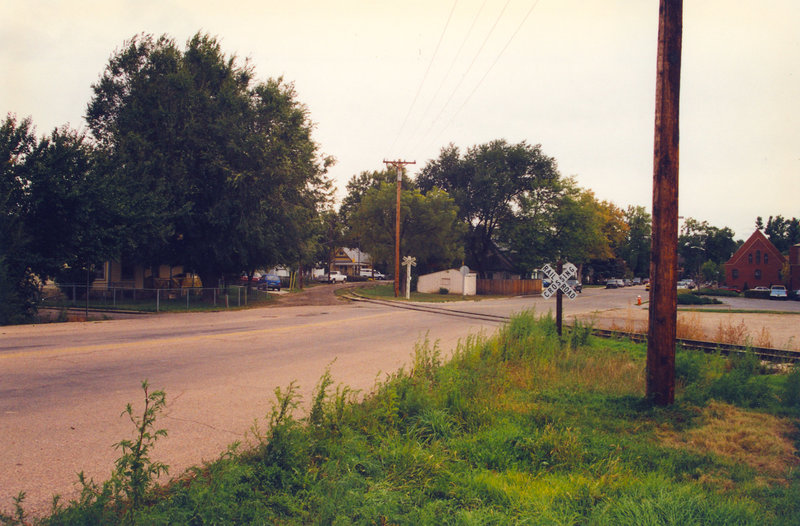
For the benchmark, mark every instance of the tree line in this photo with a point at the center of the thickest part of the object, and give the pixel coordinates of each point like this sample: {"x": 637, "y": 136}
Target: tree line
{"x": 189, "y": 160}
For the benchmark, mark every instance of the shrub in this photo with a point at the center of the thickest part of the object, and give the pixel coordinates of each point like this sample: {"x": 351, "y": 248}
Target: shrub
{"x": 715, "y": 292}
{"x": 443, "y": 290}
{"x": 694, "y": 299}
{"x": 757, "y": 294}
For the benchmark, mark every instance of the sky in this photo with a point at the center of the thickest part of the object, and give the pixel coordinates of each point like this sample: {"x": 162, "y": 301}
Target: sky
{"x": 402, "y": 79}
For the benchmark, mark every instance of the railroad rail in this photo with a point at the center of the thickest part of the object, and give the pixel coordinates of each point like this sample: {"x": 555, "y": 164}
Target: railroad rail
{"x": 764, "y": 353}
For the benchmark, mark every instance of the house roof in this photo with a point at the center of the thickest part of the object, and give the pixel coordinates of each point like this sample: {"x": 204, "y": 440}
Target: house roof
{"x": 756, "y": 238}
{"x": 354, "y": 255}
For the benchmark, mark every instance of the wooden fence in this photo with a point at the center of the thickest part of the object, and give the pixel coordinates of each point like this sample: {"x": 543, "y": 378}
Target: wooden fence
{"x": 509, "y": 287}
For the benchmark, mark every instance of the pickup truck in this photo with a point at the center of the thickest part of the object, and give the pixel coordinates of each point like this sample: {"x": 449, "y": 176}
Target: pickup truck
{"x": 337, "y": 277}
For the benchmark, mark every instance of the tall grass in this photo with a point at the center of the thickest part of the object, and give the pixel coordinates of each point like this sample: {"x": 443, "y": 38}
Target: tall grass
{"x": 523, "y": 428}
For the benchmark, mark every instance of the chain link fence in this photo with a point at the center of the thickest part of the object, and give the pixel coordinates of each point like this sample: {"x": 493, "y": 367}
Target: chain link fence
{"x": 74, "y": 295}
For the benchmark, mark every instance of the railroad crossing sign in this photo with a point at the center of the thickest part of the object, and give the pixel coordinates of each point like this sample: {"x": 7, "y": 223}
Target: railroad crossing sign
{"x": 560, "y": 281}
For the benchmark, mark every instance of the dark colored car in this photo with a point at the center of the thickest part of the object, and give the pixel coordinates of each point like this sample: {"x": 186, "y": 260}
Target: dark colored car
{"x": 269, "y": 281}
{"x": 575, "y": 284}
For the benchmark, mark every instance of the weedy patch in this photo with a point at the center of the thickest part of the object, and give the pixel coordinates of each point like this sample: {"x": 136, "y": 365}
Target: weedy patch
{"x": 758, "y": 440}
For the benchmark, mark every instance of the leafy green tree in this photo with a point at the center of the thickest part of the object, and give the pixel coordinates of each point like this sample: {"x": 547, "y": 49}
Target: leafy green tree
{"x": 430, "y": 229}
{"x": 783, "y": 233}
{"x": 220, "y": 172}
{"x": 17, "y": 282}
{"x": 635, "y": 250}
{"x": 489, "y": 183}
{"x": 567, "y": 223}
{"x": 71, "y": 208}
{"x": 699, "y": 242}
{"x": 712, "y": 272}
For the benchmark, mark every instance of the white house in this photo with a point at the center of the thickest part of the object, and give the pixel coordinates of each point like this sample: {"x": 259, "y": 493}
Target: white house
{"x": 452, "y": 280}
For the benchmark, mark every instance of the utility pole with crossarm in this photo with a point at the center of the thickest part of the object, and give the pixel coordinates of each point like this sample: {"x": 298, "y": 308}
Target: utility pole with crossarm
{"x": 397, "y": 164}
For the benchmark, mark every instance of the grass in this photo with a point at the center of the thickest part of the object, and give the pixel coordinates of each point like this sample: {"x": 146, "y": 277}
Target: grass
{"x": 386, "y": 292}
{"x": 521, "y": 428}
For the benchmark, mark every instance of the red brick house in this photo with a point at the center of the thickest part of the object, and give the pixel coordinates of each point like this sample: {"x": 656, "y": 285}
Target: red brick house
{"x": 794, "y": 267}
{"x": 756, "y": 263}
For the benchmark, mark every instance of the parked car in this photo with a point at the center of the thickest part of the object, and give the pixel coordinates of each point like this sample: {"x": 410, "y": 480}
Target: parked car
{"x": 270, "y": 281}
{"x": 612, "y": 284}
{"x": 575, "y": 284}
{"x": 778, "y": 292}
{"x": 336, "y": 277}
{"x": 369, "y": 273}
{"x": 761, "y": 289}
{"x": 244, "y": 279}
{"x": 732, "y": 289}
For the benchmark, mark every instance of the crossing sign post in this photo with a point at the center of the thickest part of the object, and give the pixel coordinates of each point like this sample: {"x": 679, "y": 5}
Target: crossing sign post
{"x": 558, "y": 281}
{"x": 559, "y": 285}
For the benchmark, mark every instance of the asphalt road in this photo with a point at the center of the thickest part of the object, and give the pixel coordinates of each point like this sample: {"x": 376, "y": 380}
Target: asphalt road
{"x": 64, "y": 386}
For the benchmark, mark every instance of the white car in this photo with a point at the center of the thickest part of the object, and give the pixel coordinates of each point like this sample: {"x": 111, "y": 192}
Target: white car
{"x": 337, "y": 277}
{"x": 778, "y": 292}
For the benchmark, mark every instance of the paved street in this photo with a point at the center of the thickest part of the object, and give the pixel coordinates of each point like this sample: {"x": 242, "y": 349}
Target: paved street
{"x": 63, "y": 386}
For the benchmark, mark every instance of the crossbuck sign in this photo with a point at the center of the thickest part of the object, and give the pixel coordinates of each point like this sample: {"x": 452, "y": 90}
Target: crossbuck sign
{"x": 560, "y": 281}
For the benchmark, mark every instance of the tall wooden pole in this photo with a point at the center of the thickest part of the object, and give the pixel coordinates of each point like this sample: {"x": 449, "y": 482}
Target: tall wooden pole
{"x": 397, "y": 235}
{"x": 662, "y": 321}
{"x": 397, "y": 165}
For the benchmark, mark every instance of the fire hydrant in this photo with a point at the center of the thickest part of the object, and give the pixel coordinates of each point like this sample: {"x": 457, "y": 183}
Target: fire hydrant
{"x": 639, "y": 300}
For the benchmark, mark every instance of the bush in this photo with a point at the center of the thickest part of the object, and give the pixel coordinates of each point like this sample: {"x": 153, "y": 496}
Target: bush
{"x": 693, "y": 299}
{"x": 715, "y": 292}
{"x": 757, "y": 294}
{"x": 443, "y": 290}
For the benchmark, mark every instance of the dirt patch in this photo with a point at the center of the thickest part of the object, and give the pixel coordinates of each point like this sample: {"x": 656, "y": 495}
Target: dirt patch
{"x": 317, "y": 294}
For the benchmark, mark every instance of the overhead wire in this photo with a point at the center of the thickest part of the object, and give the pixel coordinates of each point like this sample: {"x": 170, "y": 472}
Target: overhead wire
{"x": 489, "y": 69}
{"x": 425, "y": 76}
{"x": 450, "y": 69}
{"x": 469, "y": 68}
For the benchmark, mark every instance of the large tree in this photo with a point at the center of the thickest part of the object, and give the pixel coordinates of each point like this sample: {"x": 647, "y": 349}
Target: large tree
{"x": 430, "y": 229}
{"x": 782, "y": 232}
{"x": 699, "y": 242}
{"x": 489, "y": 183}
{"x": 220, "y": 171}
{"x": 564, "y": 222}
{"x": 635, "y": 249}
{"x": 17, "y": 284}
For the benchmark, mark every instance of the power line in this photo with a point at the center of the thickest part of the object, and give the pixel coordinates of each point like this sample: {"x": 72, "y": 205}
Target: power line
{"x": 425, "y": 76}
{"x": 450, "y": 69}
{"x": 496, "y": 60}
{"x": 469, "y": 68}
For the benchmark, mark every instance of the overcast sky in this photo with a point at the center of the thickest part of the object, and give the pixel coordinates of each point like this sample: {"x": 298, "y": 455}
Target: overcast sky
{"x": 401, "y": 79}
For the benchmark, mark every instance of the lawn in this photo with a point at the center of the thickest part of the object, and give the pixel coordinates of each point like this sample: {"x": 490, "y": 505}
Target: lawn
{"x": 521, "y": 428}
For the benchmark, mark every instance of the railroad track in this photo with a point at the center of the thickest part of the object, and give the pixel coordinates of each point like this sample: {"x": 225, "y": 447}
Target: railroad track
{"x": 764, "y": 353}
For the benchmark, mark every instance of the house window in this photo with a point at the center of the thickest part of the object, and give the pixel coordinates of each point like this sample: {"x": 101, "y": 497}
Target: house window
{"x": 99, "y": 271}
{"x": 758, "y": 273}
{"x": 750, "y": 259}
{"x": 126, "y": 272}
{"x": 758, "y": 257}
{"x": 766, "y": 258}
{"x": 735, "y": 273}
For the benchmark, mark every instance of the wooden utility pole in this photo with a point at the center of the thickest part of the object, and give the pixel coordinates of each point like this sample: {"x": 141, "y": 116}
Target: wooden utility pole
{"x": 397, "y": 164}
{"x": 662, "y": 323}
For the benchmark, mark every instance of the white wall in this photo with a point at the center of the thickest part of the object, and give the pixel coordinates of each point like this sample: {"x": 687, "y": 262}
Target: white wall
{"x": 452, "y": 280}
